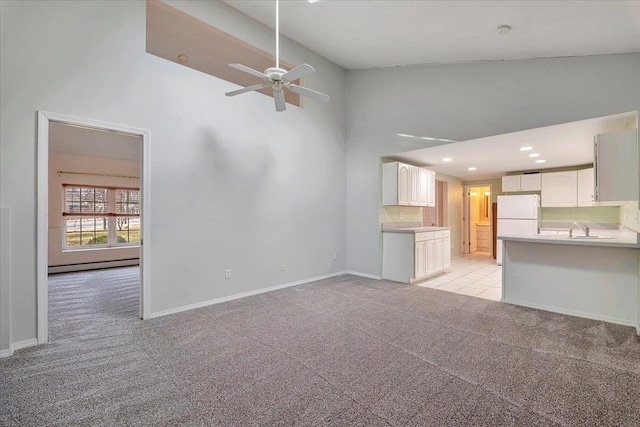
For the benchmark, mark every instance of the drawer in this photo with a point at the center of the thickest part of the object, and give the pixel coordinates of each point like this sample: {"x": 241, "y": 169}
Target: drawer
{"x": 425, "y": 235}
{"x": 482, "y": 243}
{"x": 441, "y": 234}
{"x": 483, "y": 235}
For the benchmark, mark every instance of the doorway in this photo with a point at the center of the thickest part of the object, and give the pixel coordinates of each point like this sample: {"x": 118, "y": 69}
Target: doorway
{"x": 112, "y": 215}
{"x": 477, "y": 219}
{"x": 438, "y": 216}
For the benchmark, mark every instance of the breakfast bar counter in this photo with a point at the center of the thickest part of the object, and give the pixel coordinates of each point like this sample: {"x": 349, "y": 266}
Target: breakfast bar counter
{"x": 596, "y": 278}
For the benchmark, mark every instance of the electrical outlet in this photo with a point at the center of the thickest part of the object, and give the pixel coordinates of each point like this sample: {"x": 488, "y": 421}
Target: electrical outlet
{"x": 335, "y": 256}
{"x": 283, "y": 266}
{"x": 401, "y": 215}
{"x": 568, "y": 216}
{"x": 227, "y": 274}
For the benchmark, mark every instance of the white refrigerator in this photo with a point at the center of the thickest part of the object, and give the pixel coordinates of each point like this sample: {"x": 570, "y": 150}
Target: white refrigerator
{"x": 517, "y": 216}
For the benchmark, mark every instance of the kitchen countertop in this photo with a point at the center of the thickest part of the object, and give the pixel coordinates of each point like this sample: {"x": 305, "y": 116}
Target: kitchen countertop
{"x": 619, "y": 240}
{"x": 412, "y": 229}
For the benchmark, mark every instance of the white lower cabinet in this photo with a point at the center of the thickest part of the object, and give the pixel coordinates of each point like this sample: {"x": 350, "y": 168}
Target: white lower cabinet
{"x": 410, "y": 258}
{"x": 430, "y": 258}
{"x": 421, "y": 259}
{"x": 446, "y": 253}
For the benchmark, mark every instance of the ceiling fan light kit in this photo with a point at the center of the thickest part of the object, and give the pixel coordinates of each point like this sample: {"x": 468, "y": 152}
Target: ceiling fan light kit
{"x": 279, "y": 79}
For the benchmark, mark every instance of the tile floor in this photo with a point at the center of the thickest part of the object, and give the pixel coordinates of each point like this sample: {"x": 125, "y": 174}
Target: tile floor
{"x": 475, "y": 274}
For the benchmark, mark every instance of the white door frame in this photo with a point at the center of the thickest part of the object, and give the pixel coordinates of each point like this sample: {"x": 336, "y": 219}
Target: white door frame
{"x": 466, "y": 224}
{"x": 44, "y": 118}
{"x": 465, "y": 219}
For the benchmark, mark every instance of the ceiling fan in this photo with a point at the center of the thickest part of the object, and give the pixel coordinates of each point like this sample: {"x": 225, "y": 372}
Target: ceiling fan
{"x": 279, "y": 79}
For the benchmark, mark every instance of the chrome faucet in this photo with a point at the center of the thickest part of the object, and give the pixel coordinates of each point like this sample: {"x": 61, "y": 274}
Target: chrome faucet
{"x": 582, "y": 227}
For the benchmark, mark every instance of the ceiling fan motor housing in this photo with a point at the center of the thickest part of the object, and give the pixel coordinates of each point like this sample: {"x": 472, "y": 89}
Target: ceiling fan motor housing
{"x": 274, "y": 73}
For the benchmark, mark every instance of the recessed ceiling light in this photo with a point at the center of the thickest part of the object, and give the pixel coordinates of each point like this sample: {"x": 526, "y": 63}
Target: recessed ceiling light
{"x": 502, "y": 29}
{"x": 447, "y": 159}
{"x": 313, "y": 1}
{"x": 540, "y": 161}
{"x": 472, "y": 168}
{"x": 526, "y": 148}
{"x": 534, "y": 155}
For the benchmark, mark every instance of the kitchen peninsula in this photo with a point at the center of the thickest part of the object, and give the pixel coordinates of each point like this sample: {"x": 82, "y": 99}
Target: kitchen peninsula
{"x": 594, "y": 277}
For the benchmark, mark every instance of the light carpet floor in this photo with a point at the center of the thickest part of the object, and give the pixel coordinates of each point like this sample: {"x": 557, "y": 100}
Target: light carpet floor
{"x": 346, "y": 351}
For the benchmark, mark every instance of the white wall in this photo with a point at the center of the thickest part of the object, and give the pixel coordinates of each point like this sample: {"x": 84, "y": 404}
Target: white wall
{"x": 70, "y": 162}
{"x": 454, "y": 211}
{"x": 6, "y": 339}
{"x": 269, "y": 187}
{"x": 462, "y": 102}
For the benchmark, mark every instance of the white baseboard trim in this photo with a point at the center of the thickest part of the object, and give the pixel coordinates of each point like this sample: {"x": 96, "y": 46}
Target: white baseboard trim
{"x": 574, "y": 313}
{"x": 242, "y": 295}
{"x": 17, "y": 346}
{"x": 92, "y": 266}
{"x": 638, "y": 328}
{"x": 368, "y": 276}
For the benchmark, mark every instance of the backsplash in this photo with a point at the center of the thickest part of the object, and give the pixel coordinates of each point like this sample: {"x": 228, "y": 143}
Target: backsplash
{"x": 595, "y": 214}
{"x": 400, "y": 214}
{"x": 630, "y": 216}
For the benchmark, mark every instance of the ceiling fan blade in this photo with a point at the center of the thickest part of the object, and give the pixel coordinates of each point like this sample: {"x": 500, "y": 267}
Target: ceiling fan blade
{"x": 246, "y": 89}
{"x": 299, "y": 71}
{"x": 318, "y": 96}
{"x": 278, "y": 95}
{"x": 248, "y": 70}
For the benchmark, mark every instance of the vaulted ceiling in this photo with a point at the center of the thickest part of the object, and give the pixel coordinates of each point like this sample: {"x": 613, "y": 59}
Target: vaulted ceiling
{"x": 364, "y": 34}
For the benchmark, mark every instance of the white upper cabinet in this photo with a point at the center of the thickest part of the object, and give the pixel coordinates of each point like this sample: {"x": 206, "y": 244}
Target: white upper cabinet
{"x": 559, "y": 189}
{"x": 586, "y": 186}
{"x": 616, "y": 170}
{"x": 530, "y": 182}
{"x": 431, "y": 188}
{"x": 407, "y": 185}
{"x": 415, "y": 187}
{"x": 525, "y": 182}
{"x": 511, "y": 183}
{"x": 402, "y": 187}
{"x": 395, "y": 184}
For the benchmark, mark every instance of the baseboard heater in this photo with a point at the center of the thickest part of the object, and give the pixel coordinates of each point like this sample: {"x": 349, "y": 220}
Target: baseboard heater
{"x": 93, "y": 265}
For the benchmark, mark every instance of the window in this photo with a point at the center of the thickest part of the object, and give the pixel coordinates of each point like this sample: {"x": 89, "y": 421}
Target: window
{"x": 101, "y": 216}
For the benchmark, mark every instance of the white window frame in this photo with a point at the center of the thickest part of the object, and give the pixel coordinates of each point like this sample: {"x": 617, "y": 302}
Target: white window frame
{"x": 111, "y": 215}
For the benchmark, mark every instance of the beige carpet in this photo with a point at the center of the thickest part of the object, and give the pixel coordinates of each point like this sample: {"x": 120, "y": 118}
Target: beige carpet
{"x": 341, "y": 352}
